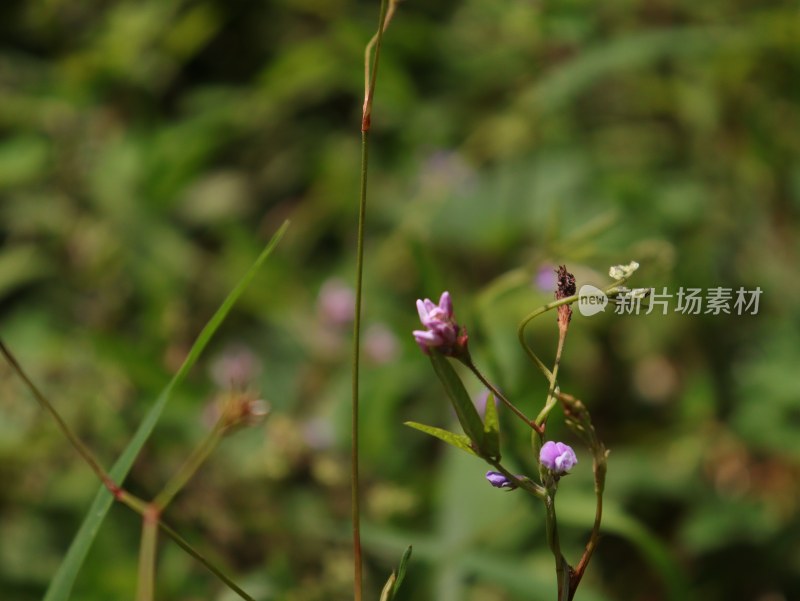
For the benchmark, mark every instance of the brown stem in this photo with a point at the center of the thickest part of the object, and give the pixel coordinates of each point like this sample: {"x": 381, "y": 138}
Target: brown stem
{"x": 76, "y": 442}
{"x": 473, "y": 368}
{"x": 594, "y": 538}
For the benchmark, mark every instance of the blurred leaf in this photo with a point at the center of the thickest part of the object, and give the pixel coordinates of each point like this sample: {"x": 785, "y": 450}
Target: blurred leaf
{"x": 768, "y": 415}
{"x": 578, "y": 512}
{"x": 401, "y": 570}
{"x": 20, "y": 265}
{"x": 528, "y": 576}
{"x": 457, "y": 440}
{"x": 562, "y": 84}
{"x": 715, "y": 525}
{"x": 491, "y": 428}
{"x": 62, "y": 583}
{"x": 465, "y": 409}
{"x": 22, "y": 159}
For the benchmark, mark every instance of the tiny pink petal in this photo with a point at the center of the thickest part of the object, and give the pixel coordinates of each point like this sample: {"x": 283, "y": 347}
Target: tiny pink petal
{"x": 446, "y": 304}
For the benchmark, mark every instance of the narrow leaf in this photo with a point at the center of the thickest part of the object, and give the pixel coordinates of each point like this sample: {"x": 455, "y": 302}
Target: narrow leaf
{"x": 491, "y": 429}
{"x": 392, "y": 585}
{"x": 401, "y": 570}
{"x": 465, "y": 410}
{"x": 64, "y": 579}
{"x": 457, "y": 440}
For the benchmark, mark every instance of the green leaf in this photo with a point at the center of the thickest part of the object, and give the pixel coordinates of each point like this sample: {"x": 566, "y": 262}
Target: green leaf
{"x": 401, "y": 570}
{"x": 396, "y": 578}
{"x": 457, "y": 440}
{"x": 491, "y": 429}
{"x": 465, "y": 410}
{"x": 62, "y": 583}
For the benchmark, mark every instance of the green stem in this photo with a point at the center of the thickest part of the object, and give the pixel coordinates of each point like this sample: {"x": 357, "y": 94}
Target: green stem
{"x": 193, "y": 463}
{"x": 371, "y": 70}
{"x": 147, "y": 555}
{"x": 186, "y": 546}
{"x": 134, "y": 503}
{"x": 524, "y": 323}
{"x": 600, "y": 459}
{"x": 370, "y": 77}
{"x": 562, "y": 568}
{"x": 474, "y": 369}
{"x": 356, "y": 515}
{"x": 526, "y": 484}
{"x": 552, "y": 399}
{"x": 549, "y": 307}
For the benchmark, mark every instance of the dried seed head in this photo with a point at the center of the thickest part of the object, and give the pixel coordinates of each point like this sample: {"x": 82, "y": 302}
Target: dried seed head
{"x": 565, "y": 288}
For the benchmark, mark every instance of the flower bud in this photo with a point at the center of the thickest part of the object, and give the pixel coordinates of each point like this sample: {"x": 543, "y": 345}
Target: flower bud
{"x": 498, "y": 480}
{"x": 442, "y": 333}
{"x": 557, "y": 457}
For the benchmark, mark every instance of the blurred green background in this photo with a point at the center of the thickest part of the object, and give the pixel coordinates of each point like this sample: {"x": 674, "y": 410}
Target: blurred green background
{"x": 149, "y": 148}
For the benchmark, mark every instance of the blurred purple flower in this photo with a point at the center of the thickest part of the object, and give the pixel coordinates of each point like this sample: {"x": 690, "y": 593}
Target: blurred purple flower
{"x": 498, "y": 480}
{"x": 545, "y": 278}
{"x": 442, "y": 330}
{"x": 236, "y": 367}
{"x": 336, "y": 302}
{"x": 558, "y": 457}
{"x": 445, "y": 172}
{"x": 380, "y": 344}
{"x": 318, "y": 433}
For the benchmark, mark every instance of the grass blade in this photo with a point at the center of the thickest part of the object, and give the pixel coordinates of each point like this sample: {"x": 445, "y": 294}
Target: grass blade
{"x": 64, "y": 579}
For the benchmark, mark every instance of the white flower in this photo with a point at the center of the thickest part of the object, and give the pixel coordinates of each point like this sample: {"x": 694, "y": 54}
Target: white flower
{"x": 623, "y": 272}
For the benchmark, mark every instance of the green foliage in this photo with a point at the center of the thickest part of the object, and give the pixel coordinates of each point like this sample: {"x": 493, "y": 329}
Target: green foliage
{"x": 147, "y": 151}
{"x": 459, "y": 441}
{"x": 61, "y": 585}
{"x": 491, "y": 429}
{"x": 396, "y": 579}
{"x": 465, "y": 410}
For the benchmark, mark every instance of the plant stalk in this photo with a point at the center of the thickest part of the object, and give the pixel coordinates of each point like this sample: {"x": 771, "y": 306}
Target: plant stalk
{"x": 190, "y": 467}
{"x": 562, "y": 567}
{"x": 474, "y": 369}
{"x": 147, "y": 555}
{"x": 370, "y": 78}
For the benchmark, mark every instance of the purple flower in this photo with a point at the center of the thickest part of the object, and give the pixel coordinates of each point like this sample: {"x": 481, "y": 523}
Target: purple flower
{"x": 336, "y": 302}
{"x": 545, "y": 278}
{"x": 498, "y": 480}
{"x": 380, "y": 344}
{"x": 236, "y": 367}
{"x": 558, "y": 457}
{"x": 442, "y": 331}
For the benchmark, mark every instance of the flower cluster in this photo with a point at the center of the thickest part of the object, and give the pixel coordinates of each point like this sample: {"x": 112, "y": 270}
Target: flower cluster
{"x": 442, "y": 332}
{"x": 443, "y": 337}
{"x": 623, "y": 272}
